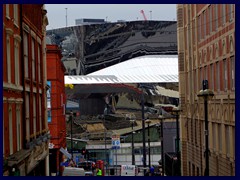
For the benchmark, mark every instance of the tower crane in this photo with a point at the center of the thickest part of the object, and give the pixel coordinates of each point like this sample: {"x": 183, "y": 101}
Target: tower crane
{"x": 144, "y": 16}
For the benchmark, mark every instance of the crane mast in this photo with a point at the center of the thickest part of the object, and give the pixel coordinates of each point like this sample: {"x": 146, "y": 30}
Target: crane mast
{"x": 144, "y": 16}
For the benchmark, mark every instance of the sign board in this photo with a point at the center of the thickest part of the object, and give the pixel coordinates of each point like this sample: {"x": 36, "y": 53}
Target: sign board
{"x": 49, "y": 102}
{"x": 116, "y": 142}
{"x": 128, "y": 170}
{"x": 50, "y": 145}
{"x": 65, "y": 152}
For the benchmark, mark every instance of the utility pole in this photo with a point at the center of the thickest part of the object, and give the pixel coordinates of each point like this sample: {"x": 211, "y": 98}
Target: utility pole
{"x": 143, "y": 133}
{"x": 150, "y": 15}
{"x": 105, "y": 141}
{"x": 149, "y": 148}
{"x": 162, "y": 149}
{"x": 71, "y": 119}
{"x": 133, "y": 153}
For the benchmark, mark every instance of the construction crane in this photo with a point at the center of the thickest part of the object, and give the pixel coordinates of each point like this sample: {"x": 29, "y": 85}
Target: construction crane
{"x": 144, "y": 16}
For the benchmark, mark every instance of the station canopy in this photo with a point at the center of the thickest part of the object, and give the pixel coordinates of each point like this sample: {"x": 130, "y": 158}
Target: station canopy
{"x": 144, "y": 69}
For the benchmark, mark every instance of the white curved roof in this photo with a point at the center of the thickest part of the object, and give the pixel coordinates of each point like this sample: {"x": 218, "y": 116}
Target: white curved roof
{"x": 144, "y": 69}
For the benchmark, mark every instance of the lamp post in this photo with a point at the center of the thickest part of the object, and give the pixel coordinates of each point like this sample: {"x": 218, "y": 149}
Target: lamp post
{"x": 162, "y": 149}
{"x": 176, "y": 111}
{"x": 206, "y": 94}
{"x": 149, "y": 148}
{"x": 132, "y": 121}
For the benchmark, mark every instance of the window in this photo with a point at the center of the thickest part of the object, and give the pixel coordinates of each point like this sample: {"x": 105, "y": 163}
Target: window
{"x": 27, "y": 103}
{"x": 193, "y": 30}
{"x": 210, "y": 18}
{"x": 189, "y": 168}
{"x": 227, "y": 139}
{"x": 214, "y": 135}
{"x": 223, "y": 14}
{"x": 40, "y": 112}
{"x": 218, "y": 76}
{"x": 33, "y": 60}
{"x": 7, "y": 11}
{"x": 18, "y": 118}
{"x": 205, "y": 55}
{"x": 10, "y": 128}
{"x": 231, "y": 7}
{"x": 216, "y": 17}
{"x": 199, "y": 28}
{"x": 220, "y": 137}
{"x": 34, "y": 114}
{"x": 223, "y": 47}
{"x": 232, "y": 59}
{"x": 225, "y": 74}
{"x": 193, "y": 170}
{"x": 233, "y": 141}
{"x": 8, "y": 59}
{"x": 16, "y": 59}
{"x": 231, "y": 44}
{"x": 39, "y": 65}
{"x": 201, "y": 78}
{"x": 25, "y": 46}
{"x": 15, "y": 14}
{"x": 195, "y": 131}
{"x": 204, "y": 24}
{"x": 195, "y": 80}
{"x": 206, "y": 73}
{"x": 216, "y": 50}
{"x": 212, "y": 77}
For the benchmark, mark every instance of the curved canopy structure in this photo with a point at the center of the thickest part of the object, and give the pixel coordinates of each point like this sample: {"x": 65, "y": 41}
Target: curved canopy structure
{"x": 144, "y": 69}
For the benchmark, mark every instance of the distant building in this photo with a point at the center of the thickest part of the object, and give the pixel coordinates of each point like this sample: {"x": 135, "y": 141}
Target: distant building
{"x": 56, "y": 108}
{"x": 95, "y": 46}
{"x": 86, "y": 21}
{"x": 206, "y": 50}
{"x": 25, "y": 128}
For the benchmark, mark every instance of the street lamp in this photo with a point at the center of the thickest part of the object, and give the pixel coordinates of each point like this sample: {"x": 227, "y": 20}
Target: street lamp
{"x": 206, "y": 94}
{"x": 176, "y": 111}
{"x": 132, "y": 121}
{"x": 149, "y": 149}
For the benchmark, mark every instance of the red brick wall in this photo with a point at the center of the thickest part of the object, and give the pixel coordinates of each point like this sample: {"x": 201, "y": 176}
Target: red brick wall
{"x": 55, "y": 74}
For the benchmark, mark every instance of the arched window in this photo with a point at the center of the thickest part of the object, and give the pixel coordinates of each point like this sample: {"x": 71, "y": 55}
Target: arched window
{"x": 231, "y": 44}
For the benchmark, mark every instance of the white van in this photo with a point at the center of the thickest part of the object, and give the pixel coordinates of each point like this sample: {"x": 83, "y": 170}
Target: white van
{"x": 128, "y": 170}
{"x": 73, "y": 171}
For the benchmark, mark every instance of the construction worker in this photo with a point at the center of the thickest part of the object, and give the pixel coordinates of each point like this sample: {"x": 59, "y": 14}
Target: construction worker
{"x": 99, "y": 172}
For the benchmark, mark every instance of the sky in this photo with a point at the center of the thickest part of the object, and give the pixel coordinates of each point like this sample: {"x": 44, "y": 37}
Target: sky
{"x": 57, "y": 13}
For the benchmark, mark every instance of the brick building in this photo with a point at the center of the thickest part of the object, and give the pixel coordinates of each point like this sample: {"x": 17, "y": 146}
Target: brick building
{"x": 25, "y": 128}
{"x": 56, "y": 107}
{"x": 206, "y": 50}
